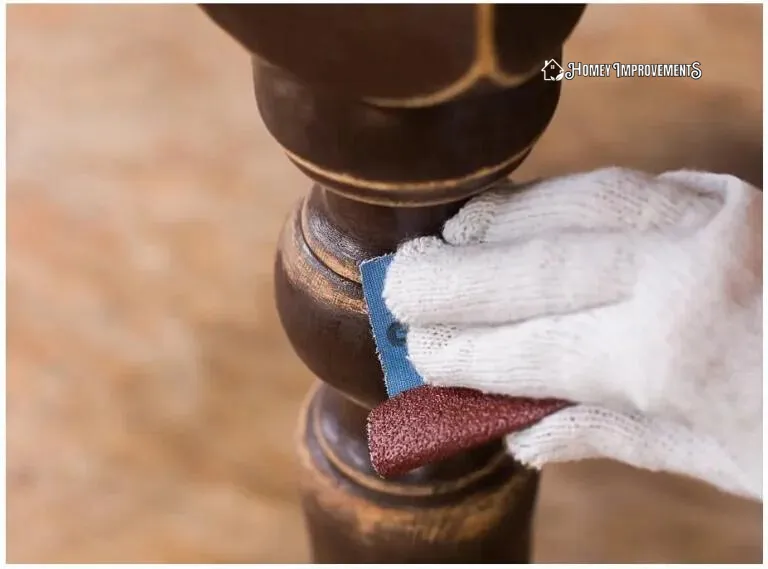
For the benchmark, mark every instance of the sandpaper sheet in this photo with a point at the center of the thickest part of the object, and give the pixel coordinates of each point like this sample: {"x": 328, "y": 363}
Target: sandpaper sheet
{"x": 427, "y": 424}
{"x": 419, "y": 423}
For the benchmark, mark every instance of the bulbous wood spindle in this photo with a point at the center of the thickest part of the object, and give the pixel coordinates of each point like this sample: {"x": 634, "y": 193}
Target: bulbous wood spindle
{"x": 398, "y": 113}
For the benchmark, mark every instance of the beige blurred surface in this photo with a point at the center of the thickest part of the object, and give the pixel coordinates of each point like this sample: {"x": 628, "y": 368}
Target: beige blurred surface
{"x": 151, "y": 392}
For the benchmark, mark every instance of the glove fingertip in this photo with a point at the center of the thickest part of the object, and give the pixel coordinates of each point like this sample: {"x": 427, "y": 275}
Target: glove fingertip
{"x": 471, "y": 223}
{"x": 523, "y": 453}
{"x": 415, "y": 249}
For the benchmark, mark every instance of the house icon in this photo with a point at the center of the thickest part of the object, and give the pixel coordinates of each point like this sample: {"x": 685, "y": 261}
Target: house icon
{"x": 552, "y": 71}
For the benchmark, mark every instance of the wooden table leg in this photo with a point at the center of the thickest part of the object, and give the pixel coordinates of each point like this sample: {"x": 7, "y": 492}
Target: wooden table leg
{"x": 398, "y": 113}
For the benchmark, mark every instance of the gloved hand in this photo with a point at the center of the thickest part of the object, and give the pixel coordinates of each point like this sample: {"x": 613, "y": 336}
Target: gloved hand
{"x": 637, "y": 297}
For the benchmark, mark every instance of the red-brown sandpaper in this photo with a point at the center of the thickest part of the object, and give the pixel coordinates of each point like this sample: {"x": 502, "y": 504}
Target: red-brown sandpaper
{"x": 427, "y": 424}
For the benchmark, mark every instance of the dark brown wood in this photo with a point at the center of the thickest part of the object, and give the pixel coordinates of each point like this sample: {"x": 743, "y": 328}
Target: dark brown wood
{"x": 398, "y": 113}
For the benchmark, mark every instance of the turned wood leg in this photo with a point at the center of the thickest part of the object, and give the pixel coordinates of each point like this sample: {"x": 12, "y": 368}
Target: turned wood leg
{"x": 398, "y": 114}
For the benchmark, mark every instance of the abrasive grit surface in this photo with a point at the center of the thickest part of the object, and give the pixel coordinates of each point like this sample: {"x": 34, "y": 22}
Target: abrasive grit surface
{"x": 428, "y": 423}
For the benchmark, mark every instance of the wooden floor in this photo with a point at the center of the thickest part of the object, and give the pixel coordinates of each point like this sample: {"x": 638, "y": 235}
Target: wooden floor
{"x": 151, "y": 392}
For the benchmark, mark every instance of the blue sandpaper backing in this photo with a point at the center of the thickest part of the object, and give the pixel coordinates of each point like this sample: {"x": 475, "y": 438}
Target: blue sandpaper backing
{"x": 388, "y": 334}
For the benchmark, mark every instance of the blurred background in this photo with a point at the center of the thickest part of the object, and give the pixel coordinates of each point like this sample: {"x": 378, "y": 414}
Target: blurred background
{"x": 152, "y": 394}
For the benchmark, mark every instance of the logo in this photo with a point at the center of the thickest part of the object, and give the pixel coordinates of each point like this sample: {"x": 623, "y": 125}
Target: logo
{"x": 396, "y": 334}
{"x": 620, "y": 70}
{"x": 552, "y": 71}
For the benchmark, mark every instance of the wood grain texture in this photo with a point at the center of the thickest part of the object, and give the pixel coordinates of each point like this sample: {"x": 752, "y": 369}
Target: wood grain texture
{"x": 147, "y": 373}
{"x": 405, "y": 55}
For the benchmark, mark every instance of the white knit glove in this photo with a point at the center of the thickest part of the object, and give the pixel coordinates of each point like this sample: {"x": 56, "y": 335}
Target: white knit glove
{"x": 638, "y": 297}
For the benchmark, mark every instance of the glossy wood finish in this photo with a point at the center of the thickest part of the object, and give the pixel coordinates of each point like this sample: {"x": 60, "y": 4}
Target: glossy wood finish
{"x": 398, "y": 113}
